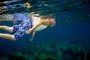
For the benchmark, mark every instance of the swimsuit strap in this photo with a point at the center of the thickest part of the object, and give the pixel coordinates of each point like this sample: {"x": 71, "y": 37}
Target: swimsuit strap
{"x": 31, "y": 22}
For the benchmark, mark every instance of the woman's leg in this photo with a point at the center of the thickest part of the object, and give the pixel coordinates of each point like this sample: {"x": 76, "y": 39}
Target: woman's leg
{"x": 6, "y": 28}
{"x": 7, "y": 36}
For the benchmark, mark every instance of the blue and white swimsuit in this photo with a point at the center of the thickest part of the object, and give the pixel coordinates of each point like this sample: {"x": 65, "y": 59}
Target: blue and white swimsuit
{"x": 19, "y": 30}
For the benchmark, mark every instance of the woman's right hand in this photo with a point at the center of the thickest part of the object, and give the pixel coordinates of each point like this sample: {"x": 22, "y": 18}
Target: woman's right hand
{"x": 27, "y": 32}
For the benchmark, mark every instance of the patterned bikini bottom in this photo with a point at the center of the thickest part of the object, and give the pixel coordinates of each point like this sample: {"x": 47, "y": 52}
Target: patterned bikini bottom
{"x": 19, "y": 30}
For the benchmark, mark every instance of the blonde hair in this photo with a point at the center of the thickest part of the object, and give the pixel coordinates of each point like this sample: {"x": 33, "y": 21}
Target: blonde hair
{"x": 49, "y": 16}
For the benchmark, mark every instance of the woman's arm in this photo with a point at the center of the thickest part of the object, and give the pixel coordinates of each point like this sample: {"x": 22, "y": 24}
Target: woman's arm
{"x": 33, "y": 36}
{"x": 14, "y": 22}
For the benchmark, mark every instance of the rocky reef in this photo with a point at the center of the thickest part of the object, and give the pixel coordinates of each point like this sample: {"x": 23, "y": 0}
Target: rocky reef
{"x": 51, "y": 51}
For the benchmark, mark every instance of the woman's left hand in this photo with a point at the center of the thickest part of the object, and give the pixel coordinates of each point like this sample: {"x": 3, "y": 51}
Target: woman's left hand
{"x": 31, "y": 39}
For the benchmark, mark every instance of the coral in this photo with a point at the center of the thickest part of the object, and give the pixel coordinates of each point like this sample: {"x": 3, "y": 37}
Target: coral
{"x": 46, "y": 57}
{"x": 19, "y": 56}
{"x": 51, "y": 52}
{"x": 4, "y": 58}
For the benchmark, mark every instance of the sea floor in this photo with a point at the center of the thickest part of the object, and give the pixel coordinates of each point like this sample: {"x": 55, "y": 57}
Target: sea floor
{"x": 49, "y": 51}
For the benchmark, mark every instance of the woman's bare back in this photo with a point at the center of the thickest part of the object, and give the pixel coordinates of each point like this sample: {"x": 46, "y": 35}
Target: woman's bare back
{"x": 36, "y": 20}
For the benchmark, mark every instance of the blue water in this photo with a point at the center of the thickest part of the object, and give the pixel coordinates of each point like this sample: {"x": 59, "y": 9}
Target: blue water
{"x": 73, "y": 29}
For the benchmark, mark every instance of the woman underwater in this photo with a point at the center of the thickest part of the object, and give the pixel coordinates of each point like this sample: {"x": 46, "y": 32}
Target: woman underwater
{"x": 29, "y": 23}
{"x": 33, "y": 24}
